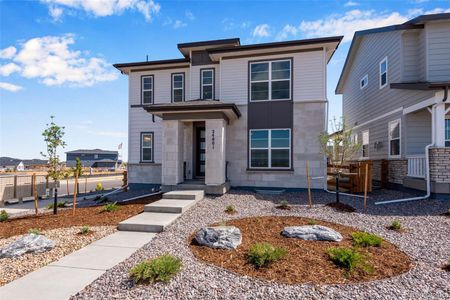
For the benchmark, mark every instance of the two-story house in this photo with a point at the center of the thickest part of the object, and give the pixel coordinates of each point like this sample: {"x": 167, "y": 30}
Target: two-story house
{"x": 95, "y": 158}
{"x": 395, "y": 97}
{"x": 228, "y": 114}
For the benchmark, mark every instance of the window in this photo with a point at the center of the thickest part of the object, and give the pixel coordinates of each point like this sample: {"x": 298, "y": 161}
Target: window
{"x": 364, "y": 81}
{"x": 354, "y": 139}
{"x": 147, "y": 146}
{"x": 383, "y": 73}
{"x": 207, "y": 84}
{"x": 270, "y": 148}
{"x": 447, "y": 132}
{"x": 394, "y": 138}
{"x": 270, "y": 80}
{"x": 95, "y": 156}
{"x": 365, "y": 143}
{"x": 147, "y": 89}
{"x": 177, "y": 87}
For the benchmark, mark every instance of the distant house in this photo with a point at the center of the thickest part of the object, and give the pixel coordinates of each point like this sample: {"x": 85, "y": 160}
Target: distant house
{"x": 95, "y": 158}
{"x": 12, "y": 164}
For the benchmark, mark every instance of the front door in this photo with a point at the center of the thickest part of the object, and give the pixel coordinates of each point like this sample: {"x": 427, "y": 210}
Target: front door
{"x": 200, "y": 152}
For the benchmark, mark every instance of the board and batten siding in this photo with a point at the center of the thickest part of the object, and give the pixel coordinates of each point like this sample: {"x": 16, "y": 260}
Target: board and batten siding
{"x": 438, "y": 54}
{"x": 308, "y": 76}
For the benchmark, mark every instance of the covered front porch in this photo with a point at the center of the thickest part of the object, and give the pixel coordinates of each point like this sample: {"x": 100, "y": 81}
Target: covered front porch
{"x": 194, "y": 144}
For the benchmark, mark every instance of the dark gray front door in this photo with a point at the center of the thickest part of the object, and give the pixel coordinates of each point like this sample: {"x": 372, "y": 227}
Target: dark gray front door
{"x": 200, "y": 152}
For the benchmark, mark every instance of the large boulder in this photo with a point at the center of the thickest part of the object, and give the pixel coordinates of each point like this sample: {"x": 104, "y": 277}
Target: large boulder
{"x": 30, "y": 243}
{"x": 220, "y": 237}
{"x": 312, "y": 233}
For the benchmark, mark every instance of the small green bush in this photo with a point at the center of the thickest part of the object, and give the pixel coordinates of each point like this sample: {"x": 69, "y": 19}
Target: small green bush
{"x": 162, "y": 268}
{"x": 348, "y": 259}
{"x": 85, "y": 230}
{"x": 111, "y": 207}
{"x": 230, "y": 209}
{"x": 312, "y": 222}
{"x": 35, "y": 231}
{"x": 263, "y": 254}
{"x": 396, "y": 225}
{"x": 3, "y": 215}
{"x": 59, "y": 204}
{"x": 99, "y": 187}
{"x": 364, "y": 239}
{"x": 284, "y": 204}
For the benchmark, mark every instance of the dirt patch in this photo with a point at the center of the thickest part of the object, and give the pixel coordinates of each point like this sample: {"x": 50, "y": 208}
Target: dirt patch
{"x": 342, "y": 207}
{"x": 307, "y": 261}
{"x": 89, "y": 216}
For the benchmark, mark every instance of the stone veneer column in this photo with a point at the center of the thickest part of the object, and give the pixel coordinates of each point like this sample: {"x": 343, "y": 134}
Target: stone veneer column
{"x": 215, "y": 152}
{"x": 172, "y": 152}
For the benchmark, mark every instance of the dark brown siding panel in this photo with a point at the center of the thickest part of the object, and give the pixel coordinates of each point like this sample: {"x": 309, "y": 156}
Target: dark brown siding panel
{"x": 200, "y": 58}
{"x": 270, "y": 114}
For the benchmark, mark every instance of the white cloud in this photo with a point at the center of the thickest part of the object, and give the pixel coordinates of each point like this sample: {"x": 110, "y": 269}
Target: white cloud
{"x": 51, "y": 60}
{"x": 288, "y": 30}
{"x": 230, "y": 24}
{"x": 8, "y": 69}
{"x": 7, "y": 53}
{"x": 55, "y": 12}
{"x": 103, "y": 8}
{"x": 179, "y": 24}
{"x": 351, "y": 3}
{"x": 190, "y": 15}
{"x": 10, "y": 87}
{"x": 261, "y": 30}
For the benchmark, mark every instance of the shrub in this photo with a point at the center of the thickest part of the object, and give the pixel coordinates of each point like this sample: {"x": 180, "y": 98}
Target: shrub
{"x": 284, "y": 204}
{"x": 263, "y": 254}
{"x": 3, "y": 215}
{"x": 348, "y": 259}
{"x": 364, "y": 239}
{"x": 85, "y": 230}
{"x": 396, "y": 225}
{"x": 230, "y": 209}
{"x": 99, "y": 187}
{"x": 162, "y": 268}
{"x": 312, "y": 222}
{"x": 59, "y": 204}
{"x": 111, "y": 207}
{"x": 35, "y": 231}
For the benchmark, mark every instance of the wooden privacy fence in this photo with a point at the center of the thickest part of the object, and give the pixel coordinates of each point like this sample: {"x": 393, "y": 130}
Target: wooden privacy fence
{"x": 21, "y": 186}
{"x": 352, "y": 176}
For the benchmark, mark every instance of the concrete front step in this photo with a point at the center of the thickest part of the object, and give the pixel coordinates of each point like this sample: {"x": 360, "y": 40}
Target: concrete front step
{"x": 148, "y": 222}
{"x": 176, "y": 206}
{"x": 185, "y": 195}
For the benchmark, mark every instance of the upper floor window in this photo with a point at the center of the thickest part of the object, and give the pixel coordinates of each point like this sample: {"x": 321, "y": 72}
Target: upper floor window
{"x": 270, "y": 80}
{"x": 365, "y": 143}
{"x": 207, "y": 84}
{"x": 364, "y": 81}
{"x": 383, "y": 72}
{"x": 178, "y": 87}
{"x": 270, "y": 148}
{"x": 147, "y": 89}
{"x": 394, "y": 138}
{"x": 447, "y": 132}
{"x": 147, "y": 146}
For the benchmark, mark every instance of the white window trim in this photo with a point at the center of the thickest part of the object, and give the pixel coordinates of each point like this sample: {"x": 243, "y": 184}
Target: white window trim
{"x": 209, "y": 84}
{"x": 269, "y": 80}
{"x": 362, "y": 79}
{"x": 181, "y": 88}
{"x": 368, "y": 144}
{"x": 269, "y": 148}
{"x": 148, "y": 90}
{"x": 399, "y": 121}
{"x": 380, "y": 74}
{"x": 151, "y": 147}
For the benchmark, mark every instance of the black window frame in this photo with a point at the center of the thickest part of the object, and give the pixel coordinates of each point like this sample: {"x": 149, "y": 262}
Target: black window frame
{"x": 152, "y": 90}
{"x": 172, "y": 87}
{"x": 269, "y": 149}
{"x": 212, "y": 83}
{"x": 141, "y": 158}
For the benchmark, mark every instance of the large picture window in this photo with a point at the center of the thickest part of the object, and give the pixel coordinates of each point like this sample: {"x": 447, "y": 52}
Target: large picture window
{"x": 270, "y": 148}
{"x": 147, "y": 89}
{"x": 365, "y": 143}
{"x": 394, "y": 138}
{"x": 207, "y": 84}
{"x": 147, "y": 146}
{"x": 270, "y": 80}
{"x": 178, "y": 87}
{"x": 383, "y": 72}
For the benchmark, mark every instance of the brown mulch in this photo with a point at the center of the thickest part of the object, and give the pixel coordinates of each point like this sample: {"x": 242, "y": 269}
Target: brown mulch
{"x": 89, "y": 216}
{"x": 342, "y": 207}
{"x": 307, "y": 261}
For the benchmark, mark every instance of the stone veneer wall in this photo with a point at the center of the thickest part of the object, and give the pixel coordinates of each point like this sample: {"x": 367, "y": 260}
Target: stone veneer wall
{"x": 398, "y": 169}
{"x": 144, "y": 173}
{"x": 440, "y": 165}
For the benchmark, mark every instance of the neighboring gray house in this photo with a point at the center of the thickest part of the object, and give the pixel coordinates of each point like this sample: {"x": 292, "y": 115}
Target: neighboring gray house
{"x": 395, "y": 96}
{"x": 95, "y": 158}
{"x": 229, "y": 115}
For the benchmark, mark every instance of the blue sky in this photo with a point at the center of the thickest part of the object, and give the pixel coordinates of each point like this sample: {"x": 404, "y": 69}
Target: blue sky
{"x": 56, "y": 55}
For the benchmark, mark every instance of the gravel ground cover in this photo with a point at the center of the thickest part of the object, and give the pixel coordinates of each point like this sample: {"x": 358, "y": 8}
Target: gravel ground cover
{"x": 67, "y": 240}
{"x": 425, "y": 241}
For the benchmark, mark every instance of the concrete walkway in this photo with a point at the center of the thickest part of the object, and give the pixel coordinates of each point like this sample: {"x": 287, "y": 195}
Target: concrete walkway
{"x": 72, "y": 273}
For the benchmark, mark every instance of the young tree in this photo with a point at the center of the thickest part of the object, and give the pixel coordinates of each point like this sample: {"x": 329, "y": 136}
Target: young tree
{"x": 78, "y": 171}
{"x": 67, "y": 172}
{"x": 53, "y": 137}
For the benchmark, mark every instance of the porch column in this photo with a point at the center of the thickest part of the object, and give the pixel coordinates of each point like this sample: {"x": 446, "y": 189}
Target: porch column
{"x": 172, "y": 152}
{"x": 440, "y": 125}
{"x": 215, "y": 152}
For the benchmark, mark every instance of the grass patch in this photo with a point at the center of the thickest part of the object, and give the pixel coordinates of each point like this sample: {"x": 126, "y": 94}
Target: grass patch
{"x": 59, "y": 204}
{"x": 263, "y": 254}
{"x": 35, "y": 231}
{"x": 396, "y": 225}
{"x": 111, "y": 207}
{"x": 364, "y": 239}
{"x": 312, "y": 222}
{"x": 160, "y": 269}
{"x": 3, "y": 215}
{"x": 230, "y": 209}
{"x": 349, "y": 259}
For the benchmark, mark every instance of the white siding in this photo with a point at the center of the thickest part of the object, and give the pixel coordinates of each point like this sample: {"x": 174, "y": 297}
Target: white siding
{"x": 438, "y": 37}
{"x": 412, "y": 68}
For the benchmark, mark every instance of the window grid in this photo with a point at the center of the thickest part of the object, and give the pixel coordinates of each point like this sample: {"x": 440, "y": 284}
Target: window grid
{"x": 383, "y": 72}
{"x": 207, "y": 84}
{"x": 447, "y": 132}
{"x": 149, "y": 146}
{"x": 364, "y": 82}
{"x": 392, "y": 138}
{"x": 270, "y": 80}
{"x": 269, "y": 148}
{"x": 147, "y": 89}
{"x": 174, "y": 88}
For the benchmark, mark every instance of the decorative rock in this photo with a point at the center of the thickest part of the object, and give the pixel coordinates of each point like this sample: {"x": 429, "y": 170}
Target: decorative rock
{"x": 312, "y": 233}
{"x": 221, "y": 237}
{"x": 30, "y": 243}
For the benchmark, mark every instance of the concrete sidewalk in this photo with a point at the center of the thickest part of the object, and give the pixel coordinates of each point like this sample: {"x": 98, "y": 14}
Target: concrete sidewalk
{"x": 72, "y": 273}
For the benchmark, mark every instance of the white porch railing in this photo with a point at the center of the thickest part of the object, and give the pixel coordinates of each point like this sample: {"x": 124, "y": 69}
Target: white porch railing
{"x": 416, "y": 165}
